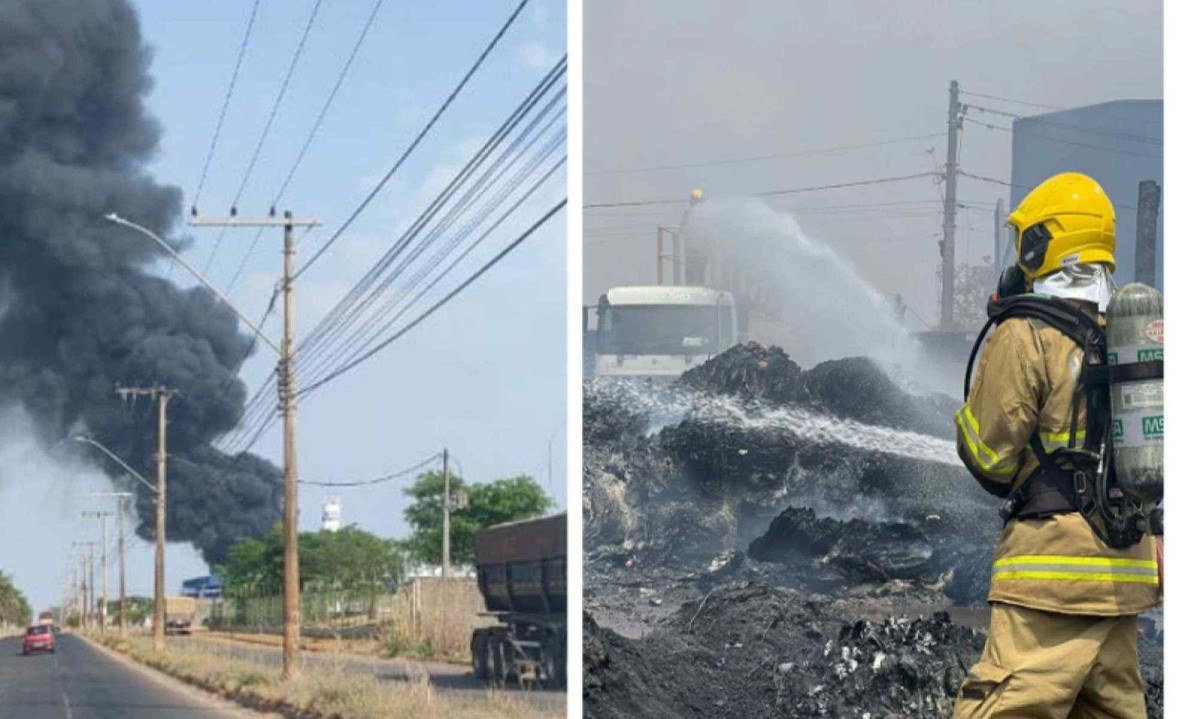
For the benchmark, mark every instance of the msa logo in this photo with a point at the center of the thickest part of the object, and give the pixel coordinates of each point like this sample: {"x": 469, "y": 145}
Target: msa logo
{"x": 1150, "y": 355}
{"x": 1118, "y": 429}
{"x": 1152, "y": 426}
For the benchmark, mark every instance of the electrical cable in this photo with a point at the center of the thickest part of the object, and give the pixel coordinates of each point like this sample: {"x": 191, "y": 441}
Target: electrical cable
{"x": 1005, "y": 99}
{"x": 378, "y": 480}
{"x": 1132, "y": 137}
{"x": 436, "y": 306}
{"x": 352, "y": 303}
{"x": 773, "y": 193}
{"x": 212, "y": 146}
{"x": 287, "y": 79}
{"x": 461, "y": 235}
{"x": 416, "y": 141}
{"x": 1061, "y": 141}
{"x": 757, "y": 158}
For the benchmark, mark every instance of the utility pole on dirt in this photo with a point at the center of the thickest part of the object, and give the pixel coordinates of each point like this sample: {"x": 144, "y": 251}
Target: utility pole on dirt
{"x": 950, "y": 207}
{"x": 103, "y": 517}
{"x": 87, "y": 581}
{"x": 161, "y": 395}
{"x": 445, "y": 514}
{"x": 287, "y": 406}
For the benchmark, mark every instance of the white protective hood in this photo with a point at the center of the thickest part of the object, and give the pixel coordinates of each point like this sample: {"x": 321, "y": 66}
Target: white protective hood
{"x": 1091, "y": 282}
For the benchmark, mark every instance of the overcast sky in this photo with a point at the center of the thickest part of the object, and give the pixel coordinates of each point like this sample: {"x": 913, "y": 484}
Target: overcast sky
{"x": 485, "y": 376}
{"x": 679, "y": 83}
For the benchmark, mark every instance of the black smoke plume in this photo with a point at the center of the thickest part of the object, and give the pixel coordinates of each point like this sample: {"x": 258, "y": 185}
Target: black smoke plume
{"x": 79, "y": 311}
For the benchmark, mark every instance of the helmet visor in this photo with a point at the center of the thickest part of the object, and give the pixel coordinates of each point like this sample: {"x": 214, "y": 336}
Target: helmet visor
{"x": 1008, "y": 243}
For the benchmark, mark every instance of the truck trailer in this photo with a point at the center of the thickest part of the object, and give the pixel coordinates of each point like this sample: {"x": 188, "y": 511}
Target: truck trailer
{"x": 521, "y": 570}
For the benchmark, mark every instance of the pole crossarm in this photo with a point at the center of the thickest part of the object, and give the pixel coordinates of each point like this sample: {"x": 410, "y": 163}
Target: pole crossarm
{"x": 253, "y": 222}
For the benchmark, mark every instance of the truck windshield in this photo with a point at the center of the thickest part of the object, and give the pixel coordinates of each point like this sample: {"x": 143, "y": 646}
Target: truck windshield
{"x": 658, "y": 329}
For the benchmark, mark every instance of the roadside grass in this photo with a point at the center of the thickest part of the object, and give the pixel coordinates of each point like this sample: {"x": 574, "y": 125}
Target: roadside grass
{"x": 330, "y": 692}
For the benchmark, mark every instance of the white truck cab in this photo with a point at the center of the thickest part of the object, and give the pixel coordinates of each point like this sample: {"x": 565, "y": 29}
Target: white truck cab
{"x": 662, "y": 330}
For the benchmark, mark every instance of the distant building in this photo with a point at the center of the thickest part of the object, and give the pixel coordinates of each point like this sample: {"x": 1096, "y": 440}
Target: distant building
{"x": 331, "y": 515}
{"x": 1118, "y": 143}
{"x": 202, "y": 587}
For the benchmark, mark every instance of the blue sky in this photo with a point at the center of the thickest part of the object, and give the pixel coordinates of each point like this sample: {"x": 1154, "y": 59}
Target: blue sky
{"x": 486, "y": 376}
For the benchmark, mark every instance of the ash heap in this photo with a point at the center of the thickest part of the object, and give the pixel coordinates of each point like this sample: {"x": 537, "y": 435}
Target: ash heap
{"x": 763, "y": 540}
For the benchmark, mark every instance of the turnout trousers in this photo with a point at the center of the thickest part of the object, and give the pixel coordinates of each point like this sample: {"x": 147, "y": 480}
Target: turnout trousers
{"x": 1043, "y": 665}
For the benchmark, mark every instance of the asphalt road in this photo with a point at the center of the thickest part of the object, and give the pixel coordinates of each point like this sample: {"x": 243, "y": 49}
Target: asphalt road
{"x": 81, "y": 682}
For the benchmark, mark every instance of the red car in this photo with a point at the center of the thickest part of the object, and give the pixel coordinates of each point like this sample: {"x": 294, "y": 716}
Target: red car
{"x": 38, "y": 638}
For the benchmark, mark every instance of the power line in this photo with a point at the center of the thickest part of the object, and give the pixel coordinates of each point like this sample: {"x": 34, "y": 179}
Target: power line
{"x": 379, "y": 480}
{"x": 262, "y": 138}
{"x": 212, "y": 146}
{"x": 1014, "y": 102}
{"x": 1051, "y": 138}
{"x": 773, "y": 193}
{"x": 416, "y": 141}
{"x": 757, "y": 158}
{"x": 287, "y": 79}
{"x": 353, "y": 303}
{"x": 1133, "y": 137}
{"x": 1022, "y": 187}
{"x": 453, "y": 293}
{"x": 312, "y": 133}
{"x": 841, "y": 185}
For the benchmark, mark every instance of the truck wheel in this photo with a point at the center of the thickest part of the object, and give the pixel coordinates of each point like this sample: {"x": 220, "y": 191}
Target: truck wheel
{"x": 479, "y": 654}
{"x": 553, "y": 670}
{"x": 498, "y": 667}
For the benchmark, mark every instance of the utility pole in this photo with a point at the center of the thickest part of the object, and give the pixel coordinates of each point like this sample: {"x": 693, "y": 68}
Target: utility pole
{"x": 287, "y": 405}
{"x": 445, "y": 514}
{"x": 103, "y": 517}
{"x": 1145, "y": 261}
{"x": 950, "y": 207}
{"x": 121, "y": 562}
{"x": 87, "y": 581}
{"x": 997, "y": 241}
{"x": 162, "y": 395}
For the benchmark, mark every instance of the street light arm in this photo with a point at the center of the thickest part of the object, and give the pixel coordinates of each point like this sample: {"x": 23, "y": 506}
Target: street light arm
{"x": 118, "y": 460}
{"x": 116, "y": 219}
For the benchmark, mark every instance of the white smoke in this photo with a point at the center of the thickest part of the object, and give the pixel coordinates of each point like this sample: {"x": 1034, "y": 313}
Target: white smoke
{"x": 820, "y": 297}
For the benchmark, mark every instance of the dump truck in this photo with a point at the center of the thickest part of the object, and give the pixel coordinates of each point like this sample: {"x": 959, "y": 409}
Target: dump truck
{"x": 521, "y": 570}
{"x": 181, "y": 612}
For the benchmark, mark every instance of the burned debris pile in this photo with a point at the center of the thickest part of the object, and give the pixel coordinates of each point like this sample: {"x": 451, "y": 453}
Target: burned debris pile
{"x": 769, "y": 562}
{"x": 750, "y": 453}
{"x": 746, "y": 649}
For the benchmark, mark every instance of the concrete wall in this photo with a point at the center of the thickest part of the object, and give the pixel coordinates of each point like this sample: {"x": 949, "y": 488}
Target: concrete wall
{"x": 1113, "y": 142}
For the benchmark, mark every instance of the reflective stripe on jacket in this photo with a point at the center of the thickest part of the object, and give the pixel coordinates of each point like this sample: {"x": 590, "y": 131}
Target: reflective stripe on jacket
{"x": 1023, "y": 384}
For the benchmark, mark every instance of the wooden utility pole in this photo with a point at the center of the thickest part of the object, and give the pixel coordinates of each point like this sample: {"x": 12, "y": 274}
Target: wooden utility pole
{"x": 445, "y": 514}
{"x": 103, "y": 517}
{"x": 287, "y": 406}
{"x": 161, "y": 395}
{"x": 950, "y": 208}
{"x": 121, "y": 562}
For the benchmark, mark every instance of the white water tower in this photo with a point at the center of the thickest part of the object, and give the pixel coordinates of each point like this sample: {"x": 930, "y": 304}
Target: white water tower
{"x": 331, "y": 515}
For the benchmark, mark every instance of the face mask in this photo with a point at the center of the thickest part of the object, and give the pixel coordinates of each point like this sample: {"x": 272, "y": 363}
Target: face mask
{"x": 1090, "y": 282}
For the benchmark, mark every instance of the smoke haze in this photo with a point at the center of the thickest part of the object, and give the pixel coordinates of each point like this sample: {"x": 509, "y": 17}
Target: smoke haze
{"x": 80, "y": 312}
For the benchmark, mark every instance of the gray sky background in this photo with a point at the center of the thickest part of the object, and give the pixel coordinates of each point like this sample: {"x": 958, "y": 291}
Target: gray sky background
{"x": 674, "y": 82}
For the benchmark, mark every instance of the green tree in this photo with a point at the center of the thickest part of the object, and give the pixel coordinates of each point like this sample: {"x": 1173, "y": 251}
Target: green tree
{"x": 504, "y": 500}
{"x": 350, "y": 558}
{"x": 14, "y": 607}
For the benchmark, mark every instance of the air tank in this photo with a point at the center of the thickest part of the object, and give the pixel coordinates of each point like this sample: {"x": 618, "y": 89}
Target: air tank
{"x": 1135, "y": 335}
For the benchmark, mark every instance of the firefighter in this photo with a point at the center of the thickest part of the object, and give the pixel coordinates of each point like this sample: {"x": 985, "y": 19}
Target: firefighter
{"x": 1063, "y": 636}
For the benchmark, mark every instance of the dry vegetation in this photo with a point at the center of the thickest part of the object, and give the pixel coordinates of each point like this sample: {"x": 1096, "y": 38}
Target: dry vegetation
{"x": 328, "y": 693}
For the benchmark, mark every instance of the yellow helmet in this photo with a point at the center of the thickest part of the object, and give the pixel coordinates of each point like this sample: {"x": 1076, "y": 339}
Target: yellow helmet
{"x": 1063, "y": 221}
